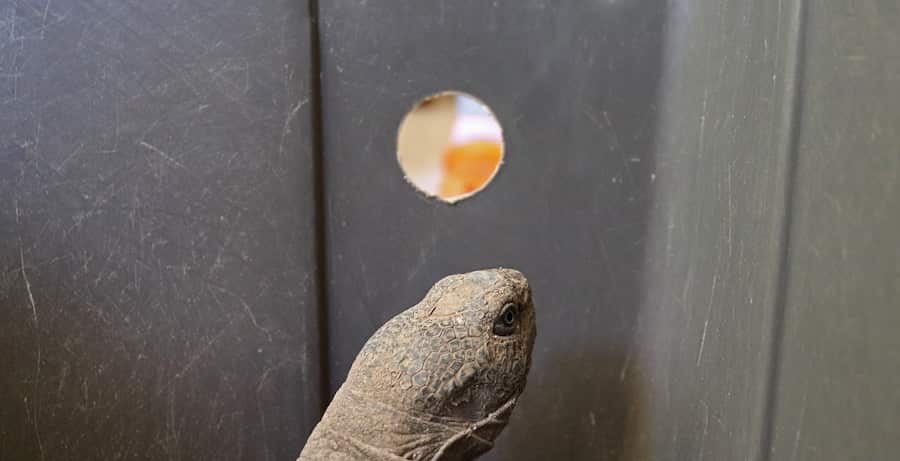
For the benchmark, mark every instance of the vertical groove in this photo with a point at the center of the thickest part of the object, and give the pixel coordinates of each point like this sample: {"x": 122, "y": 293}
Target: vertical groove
{"x": 788, "y": 150}
{"x": 318, "y": 164}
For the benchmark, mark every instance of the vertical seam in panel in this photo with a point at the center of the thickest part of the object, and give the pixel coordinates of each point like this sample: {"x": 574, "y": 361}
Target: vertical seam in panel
{"x": 788, "y": 151}
{"x": 318, "y": 161}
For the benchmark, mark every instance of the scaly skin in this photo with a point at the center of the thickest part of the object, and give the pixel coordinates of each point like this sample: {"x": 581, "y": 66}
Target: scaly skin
{"x": 438, "y": 381}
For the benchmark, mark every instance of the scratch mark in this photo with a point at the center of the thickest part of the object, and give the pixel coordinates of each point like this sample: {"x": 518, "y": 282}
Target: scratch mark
{"x": 260, "y": 386}
{"x": 37, "y": 380}
{"x": 37, "y": 433}
{"x": 12, "y": 21}
{"x": 116, "y": 114}
{"x": 37, "y": 130}
{"x": 731, "y": 213}
{"x": 253, "y": 318}
{"x": 162, "y": 154}
{"x": 286, "y": 128}
{"x": 203, "y": 350}
{"x": 36, "y": 404}
{"x": 218, "y": 264}
{"x": 247, "y": 309}
{"x": 171, "y": 424}
{"x": 59, "y": 168}
{"x": 712, "y": 295}
{"x": 44, "y": 20}
{"x": 799, "y": 432}
{"x": 625, "y": 363}
{"x": 703, "y": 120}
{"x": 64, "y": 373}
{"x": 705, "y": 428}
{"x": 28, "y": 285}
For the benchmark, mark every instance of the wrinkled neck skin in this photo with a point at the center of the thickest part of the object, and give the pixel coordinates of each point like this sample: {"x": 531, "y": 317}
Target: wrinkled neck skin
{"x": 356, "y": 427}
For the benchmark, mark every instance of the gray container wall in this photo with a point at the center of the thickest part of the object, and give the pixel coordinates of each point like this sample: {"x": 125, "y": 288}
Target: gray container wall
{"x": 202, "y": 220}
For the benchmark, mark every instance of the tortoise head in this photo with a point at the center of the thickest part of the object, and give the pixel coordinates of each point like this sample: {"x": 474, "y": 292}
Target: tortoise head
{"x": 478, "y": 330}
{"x": 459, "y": 359}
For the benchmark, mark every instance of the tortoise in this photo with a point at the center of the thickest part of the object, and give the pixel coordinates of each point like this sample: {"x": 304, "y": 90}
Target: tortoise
{"x": 438, "y": 381}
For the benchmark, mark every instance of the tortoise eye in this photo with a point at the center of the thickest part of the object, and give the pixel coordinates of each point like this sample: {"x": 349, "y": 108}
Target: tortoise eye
{"x": 505, "y": 324}
{"x": 509, "y": 317}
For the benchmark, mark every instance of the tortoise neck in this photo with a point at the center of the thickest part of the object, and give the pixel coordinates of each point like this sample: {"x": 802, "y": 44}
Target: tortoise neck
{"x": 378, "y": 428}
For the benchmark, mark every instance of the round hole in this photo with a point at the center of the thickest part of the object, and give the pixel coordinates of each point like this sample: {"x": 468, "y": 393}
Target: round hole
{"x": 450, "y": 146}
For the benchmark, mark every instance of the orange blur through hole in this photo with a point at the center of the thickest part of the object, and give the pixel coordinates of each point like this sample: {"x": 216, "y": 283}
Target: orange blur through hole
{"x": 468, "y": 167}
